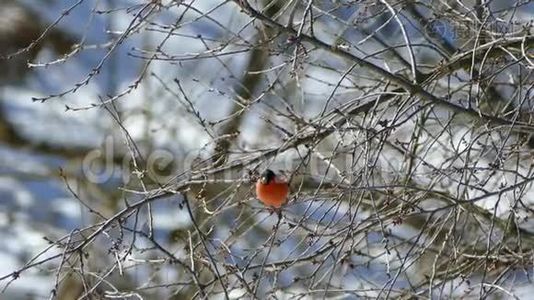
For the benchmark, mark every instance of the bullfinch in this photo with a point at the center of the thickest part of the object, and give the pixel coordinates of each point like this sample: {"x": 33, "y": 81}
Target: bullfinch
{"x": 272, "y": 190}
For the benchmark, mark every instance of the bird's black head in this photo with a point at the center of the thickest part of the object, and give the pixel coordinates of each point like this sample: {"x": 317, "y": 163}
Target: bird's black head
{"x": 267, "y": 176}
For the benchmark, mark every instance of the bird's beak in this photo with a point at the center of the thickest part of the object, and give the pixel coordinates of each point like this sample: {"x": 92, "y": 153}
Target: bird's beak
{"x": 263, "y": 180}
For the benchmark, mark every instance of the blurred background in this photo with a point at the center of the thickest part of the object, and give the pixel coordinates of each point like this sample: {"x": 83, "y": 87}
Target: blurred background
{"x": 131, "y": 133}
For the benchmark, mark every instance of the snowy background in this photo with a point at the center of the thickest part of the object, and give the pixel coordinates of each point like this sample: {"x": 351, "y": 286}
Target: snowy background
{"x": 55, "y": 147}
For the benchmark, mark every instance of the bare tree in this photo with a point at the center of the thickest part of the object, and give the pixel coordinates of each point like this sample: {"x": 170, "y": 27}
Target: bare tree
{"x": 403, "y": 126}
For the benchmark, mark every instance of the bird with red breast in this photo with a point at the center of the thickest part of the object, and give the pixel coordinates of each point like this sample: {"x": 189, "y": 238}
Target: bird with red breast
{"x": 272, "y": 190}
